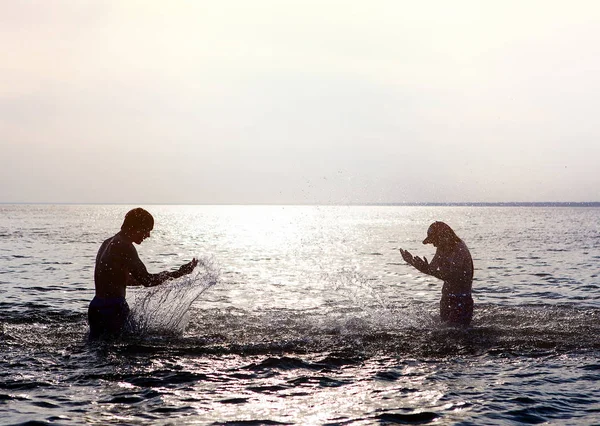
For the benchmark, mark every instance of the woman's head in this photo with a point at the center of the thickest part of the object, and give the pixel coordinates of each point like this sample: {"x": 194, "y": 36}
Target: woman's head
{"x": 440, "y": 234}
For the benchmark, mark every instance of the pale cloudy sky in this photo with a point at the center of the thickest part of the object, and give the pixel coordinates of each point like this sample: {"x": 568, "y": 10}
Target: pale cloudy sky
{"x": 275, "y": 101}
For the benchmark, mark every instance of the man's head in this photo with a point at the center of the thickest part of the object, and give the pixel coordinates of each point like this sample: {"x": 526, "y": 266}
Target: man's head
{"x": 137, "y": 224}
{"x": 440, "y": 234}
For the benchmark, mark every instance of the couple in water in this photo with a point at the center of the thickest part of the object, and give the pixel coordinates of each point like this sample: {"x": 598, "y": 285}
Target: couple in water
{"x": 118, "y": 266}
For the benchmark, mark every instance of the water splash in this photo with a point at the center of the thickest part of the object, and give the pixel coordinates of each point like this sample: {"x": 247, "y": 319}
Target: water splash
{"x": 366, "y": 308}
{"x": 354, "y": 286}
{"x": 164, "y": 309}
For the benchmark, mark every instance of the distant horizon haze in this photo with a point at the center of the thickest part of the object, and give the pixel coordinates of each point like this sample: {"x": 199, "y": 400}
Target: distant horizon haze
{"x": 391, "y": 204}
{"x": 299, "y": 102}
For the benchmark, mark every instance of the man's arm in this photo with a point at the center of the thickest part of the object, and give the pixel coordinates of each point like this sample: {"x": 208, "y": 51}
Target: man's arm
{"x": 137, "y": 270}
{"x": 140, "y": 274}
{"x": 184, "y": 269}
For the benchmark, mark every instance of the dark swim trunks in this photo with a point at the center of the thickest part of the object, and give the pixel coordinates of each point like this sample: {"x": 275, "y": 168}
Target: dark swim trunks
{"x": 457, "y": 308}
{"x": 107, "y": 317}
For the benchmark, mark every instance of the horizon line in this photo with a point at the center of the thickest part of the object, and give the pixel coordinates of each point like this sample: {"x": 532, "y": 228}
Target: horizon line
{"x": 374, "y": 204}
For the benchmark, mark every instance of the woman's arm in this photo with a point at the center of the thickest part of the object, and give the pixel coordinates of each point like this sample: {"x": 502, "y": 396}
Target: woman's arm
{"x": 437, "y": 267}
{"x": 415, "y": 261}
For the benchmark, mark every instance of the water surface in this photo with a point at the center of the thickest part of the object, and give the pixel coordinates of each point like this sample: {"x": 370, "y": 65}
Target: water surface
{"x": 303, "y": 315}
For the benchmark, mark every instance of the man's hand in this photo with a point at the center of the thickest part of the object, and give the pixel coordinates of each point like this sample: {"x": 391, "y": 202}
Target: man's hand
{"x": 188, "y": 267}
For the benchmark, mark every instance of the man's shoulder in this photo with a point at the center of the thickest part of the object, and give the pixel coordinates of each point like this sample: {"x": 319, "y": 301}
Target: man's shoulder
{"x": 118, "y": 242}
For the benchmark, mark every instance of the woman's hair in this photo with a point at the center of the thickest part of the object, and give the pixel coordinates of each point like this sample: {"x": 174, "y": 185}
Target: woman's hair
{"x": 138, "y": 219}
{"x": 440, "y": 232}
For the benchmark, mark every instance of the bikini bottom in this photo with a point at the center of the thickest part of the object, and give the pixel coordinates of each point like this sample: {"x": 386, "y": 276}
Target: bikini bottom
{"x": 457, "y": 308}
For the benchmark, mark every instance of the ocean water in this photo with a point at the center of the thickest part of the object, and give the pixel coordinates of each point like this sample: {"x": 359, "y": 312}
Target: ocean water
{"x": 303, "y": 315}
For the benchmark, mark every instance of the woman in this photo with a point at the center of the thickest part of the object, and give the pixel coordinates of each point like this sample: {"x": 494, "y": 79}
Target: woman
{"x": 453, "y": 264}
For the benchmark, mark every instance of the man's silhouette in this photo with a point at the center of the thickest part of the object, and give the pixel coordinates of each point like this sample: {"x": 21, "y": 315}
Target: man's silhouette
{"x": 117, "y": 266}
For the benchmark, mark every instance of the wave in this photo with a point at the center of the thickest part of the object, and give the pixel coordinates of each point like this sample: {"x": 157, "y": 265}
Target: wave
{"x": 522, "y": 330}
{"x": 164, "y": 321}
{"x": 351, "y": 335}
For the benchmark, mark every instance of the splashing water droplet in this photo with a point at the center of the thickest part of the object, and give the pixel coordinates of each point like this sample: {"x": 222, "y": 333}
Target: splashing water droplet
{"x": 164, "y": 309}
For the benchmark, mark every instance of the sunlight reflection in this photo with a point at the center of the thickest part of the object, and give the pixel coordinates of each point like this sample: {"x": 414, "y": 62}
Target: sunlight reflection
{"x": 268, "y": 226}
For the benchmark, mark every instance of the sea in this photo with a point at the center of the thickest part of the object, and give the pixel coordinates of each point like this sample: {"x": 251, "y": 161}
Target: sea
{"x": 303, "y": 315}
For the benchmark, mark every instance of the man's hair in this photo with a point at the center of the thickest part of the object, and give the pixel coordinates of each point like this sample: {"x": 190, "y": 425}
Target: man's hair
{"x": 138, "y": 219}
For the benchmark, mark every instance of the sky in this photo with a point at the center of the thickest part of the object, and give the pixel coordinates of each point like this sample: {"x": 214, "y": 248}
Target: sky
{"x": 299, "y": 101}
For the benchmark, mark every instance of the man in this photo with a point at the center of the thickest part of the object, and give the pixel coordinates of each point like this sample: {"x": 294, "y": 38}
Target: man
{"x": 117, "y": 266}
{"x": 453, "y": 264}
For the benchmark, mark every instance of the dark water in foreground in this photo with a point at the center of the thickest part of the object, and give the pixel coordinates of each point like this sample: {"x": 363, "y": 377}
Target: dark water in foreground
{"x": 303, "y": 316}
